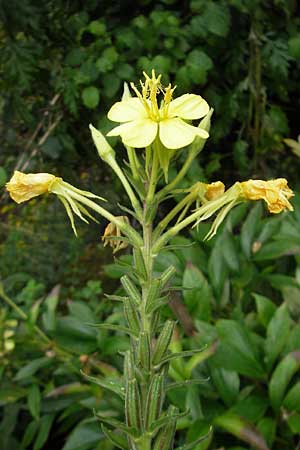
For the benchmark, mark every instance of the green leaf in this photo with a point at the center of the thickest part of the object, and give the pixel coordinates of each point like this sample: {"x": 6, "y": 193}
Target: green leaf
{"x": 197, "y": 292}
{"x": 294, "y": 423}
{"x": 29, "y": 434}
{"x": 292, "y": 399}
{"x": 267, "y": 427}
{"x": 294, "y": 47}
{"x": 90, "y": 97}
{"x": 265, "y": 309}
{"x": 249, "y": 229}
{"x": 277, "y": 334}
{"x": 217, "y": 267}
{"x": 32, "y": 367}
{"x": 87, "y": 433}
{"x": 113, "y": 385}
{"x": 3, "y": 176}
{"x": 252, "y": 408}
{"x": 216, "y": 18}
{"x": 43, "y": 433}
{"x": 226, "y": 382}
{"x": 281, "y": 378}
{"x": 237, "y": 350}
{"x": 197, "y": 430}
{"x": 34, "y": 400}
{"x": 276, "y": 249}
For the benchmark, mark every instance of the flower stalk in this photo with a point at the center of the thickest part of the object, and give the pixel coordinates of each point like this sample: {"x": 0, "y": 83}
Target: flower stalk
{"x": 157, "y": 130}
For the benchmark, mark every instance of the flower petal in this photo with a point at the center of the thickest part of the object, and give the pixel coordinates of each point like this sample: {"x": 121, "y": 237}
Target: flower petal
{"x": 188, "y": 107}
{"x": 127, "y": 110}
{"x": 138, "y": 133}
{"x": 175, "y": 133}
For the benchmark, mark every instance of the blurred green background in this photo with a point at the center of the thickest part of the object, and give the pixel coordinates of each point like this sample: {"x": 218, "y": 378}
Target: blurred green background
{"x": 63, "y": 64}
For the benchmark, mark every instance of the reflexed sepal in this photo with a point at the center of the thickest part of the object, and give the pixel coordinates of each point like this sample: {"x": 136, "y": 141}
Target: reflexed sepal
{"x": 155, "y": 399}
{"x": 144, "y": 352}
{"x": 117, "y": 439}
{"x": 165, "y": 438}
{"x": 131, "y": 290}
{"x": 133, "y": 405}
{"x": 131, "y": 316}
{"x": 110, "y": 385}
{"x": 163, "y": 342}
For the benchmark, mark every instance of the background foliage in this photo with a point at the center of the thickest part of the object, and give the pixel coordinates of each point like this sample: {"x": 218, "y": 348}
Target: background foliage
{"x": 62, "y": 65}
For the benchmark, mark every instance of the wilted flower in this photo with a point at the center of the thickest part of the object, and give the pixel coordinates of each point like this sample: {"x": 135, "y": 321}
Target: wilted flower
{"x": 214, "y": 190}
{"x": 275, "y": 193}
{"x": 142, "y": 118}
{"x": 25, "y": 186}
{"x": 113, "y": 237}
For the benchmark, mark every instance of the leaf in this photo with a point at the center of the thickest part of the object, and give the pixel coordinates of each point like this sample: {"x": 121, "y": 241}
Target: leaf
{"x": 265, "y": 309}
{"x": 217, "y": 267}
{"x": 249, "y": 229}
{"x": 277, "y": 333}
{"x": 281, "y": 378}
{"x": 216, "y": 18}
{"x": 226, "y": 382}
{"x": 86, "y": 433}
{"x": 43, "y": 433}
{"x": 34, "y": 400}
{"x": 113, "y": 385}
{"x": 252, "y": 408}
{"x": 292, "y": 399}
{"x": 267, "y": 427}
{"x": 31, "y": 368}
{"x": 3, "y": 176}
{"x": 237, "y": 350}
{"x": 197, "y": 430}
{"x": 198, "y": 295}
{"x": 90, "y": 97}
{"x": 116, "y": 438}
{"x": 277, "y": 249}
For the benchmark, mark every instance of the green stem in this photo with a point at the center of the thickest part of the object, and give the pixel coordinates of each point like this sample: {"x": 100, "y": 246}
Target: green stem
{"x": 153, "y": 176}
{"x": 133, "y": 162}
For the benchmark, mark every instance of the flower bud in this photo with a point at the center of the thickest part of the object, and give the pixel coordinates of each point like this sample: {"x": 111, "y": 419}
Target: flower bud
{"x": 105, "y": 151}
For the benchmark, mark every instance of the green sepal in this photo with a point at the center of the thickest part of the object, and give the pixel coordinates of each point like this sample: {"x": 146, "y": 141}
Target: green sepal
{"x": 170, "y": 417}
{"x": 180, "y": 384}
{"x": 144, "y": 352}
{"x": 155, "y": 399}
{"x": 113, "y": 327}
{"x": 131, "y": 315}
{"x": 130, "y": 431}
{"x": 163, "y": 342}
{"x": 192, "y": 445}
{"x": 110, "y": 385}
{"x": 165, "y": 438}
{"x": 183, "y": 354}
{"x": 133, "y": 405}
{"x": 116, "y": 439}
{"x": 131, "y": 290}
{"x": 128, "y": 211}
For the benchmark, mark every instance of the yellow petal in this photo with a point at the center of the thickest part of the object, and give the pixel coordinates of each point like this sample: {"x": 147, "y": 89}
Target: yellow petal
{"x": 138, "y": 133}
{"x": 188, "y": 107}
{"x": 127, "y": 110}
{"x": 24, "y": 186}
{"x": 175, "y": 133}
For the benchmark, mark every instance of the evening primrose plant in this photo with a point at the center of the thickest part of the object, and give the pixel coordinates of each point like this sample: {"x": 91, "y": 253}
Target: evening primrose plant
{"x": 154, "y": 128}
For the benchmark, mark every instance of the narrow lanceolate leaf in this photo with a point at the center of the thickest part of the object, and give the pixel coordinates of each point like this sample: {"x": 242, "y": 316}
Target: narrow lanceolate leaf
{"x": 113, "y": 327}
{"x": 117, "y": 439}
{"x": 172, "y": 416}
{"x": 155, "y": 399}
{"x": 180, "y": 384}
{"x": 144, "y": 351}
{"x": 129, "y": 366}
{"x": 183, "y": 354}
{"x": 111, "y": 385}
{"x": 163, "y": 342}
{"x": 131, "y": 316}
{"x": 133, "y": 405}
{"x": 193, "y": 444}
{"x": 130, "y": 431}
{"x": 139, "y": 263}
{"x": 167, "y": 275}
{"x": 131, "y": 290}
{"x": 115, "y": 298}
{"x": 165, "y": 438}
{"x": 155, "y": 305}
{"x": 281, "y": 378}
{"x": 153, "y": 293}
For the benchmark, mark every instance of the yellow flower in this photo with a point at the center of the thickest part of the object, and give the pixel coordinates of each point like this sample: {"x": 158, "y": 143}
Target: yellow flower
{"x": 142, "y": 118}
{"x": 23, "y": 187}
{"x": 112, "y": 235}
{"x": 214, "y": 190}
{"x": 276, "y": 193}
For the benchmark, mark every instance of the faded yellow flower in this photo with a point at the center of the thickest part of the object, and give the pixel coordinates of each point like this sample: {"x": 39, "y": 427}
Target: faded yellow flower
{"x": 113, "y": 237}
{"x": 214, "y": 190}
{"x": 143, "y": 119}
{"x": 24, "y": 186}
{"x": 275, "y": 193}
